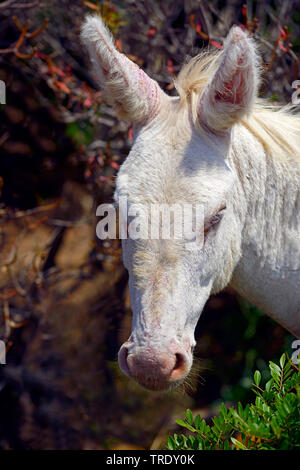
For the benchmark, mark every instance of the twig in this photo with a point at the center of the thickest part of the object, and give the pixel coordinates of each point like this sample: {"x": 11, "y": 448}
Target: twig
{"x": 15, "y": 49}
{"x": 11, "y": 4}
{"x": 35, "y": 210}
{"x": 6, "y": 4}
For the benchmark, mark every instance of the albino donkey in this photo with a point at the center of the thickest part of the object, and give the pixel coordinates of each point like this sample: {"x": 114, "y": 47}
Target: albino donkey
{"x": 218, "y": 145}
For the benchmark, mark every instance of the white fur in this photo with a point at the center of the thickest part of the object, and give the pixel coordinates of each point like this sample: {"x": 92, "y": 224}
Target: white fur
{"x": 237, "y": 78}
{"x": 133, "y": 93}
{"x": 212, "y": 144}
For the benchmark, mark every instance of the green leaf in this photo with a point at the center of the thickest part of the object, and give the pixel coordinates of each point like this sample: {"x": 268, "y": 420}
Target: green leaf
{"x": 257, "y": 378}
{"x": 269, "y": 385}
{"x": 171, "y": 443}
{"x": 223, "y": 411}
{"x": 238, "y": 444}
{"x": 197, "y": 422}
{"x": 275, "y": 372}
{"x": 282, "y": 360}
{"x": 189, "y": 417}
{"x": 185, "y": 425}
{"x": 80, "y": 132}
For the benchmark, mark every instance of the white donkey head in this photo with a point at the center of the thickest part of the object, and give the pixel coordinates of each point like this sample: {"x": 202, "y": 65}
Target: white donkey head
{"x": 179, "y": 156}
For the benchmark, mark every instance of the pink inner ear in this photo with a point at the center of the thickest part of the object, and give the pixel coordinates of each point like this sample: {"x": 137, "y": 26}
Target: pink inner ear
{"x": 233, "y": 91}
{"x": 146, "y": 87}
{"x": 231, "y": 94}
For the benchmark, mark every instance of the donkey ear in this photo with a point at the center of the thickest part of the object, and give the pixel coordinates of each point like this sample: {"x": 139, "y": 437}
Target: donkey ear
{"x": 231, "y": 92}
{"x": 135, "y": 95}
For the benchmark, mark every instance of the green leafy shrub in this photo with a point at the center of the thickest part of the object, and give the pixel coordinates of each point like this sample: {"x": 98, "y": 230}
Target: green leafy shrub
{"x": 271, "y": 422}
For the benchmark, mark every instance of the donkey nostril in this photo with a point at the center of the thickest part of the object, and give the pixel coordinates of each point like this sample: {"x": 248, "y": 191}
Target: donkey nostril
{"x": 156, "y": 370}
{"x": 180, "y": 367}
{"x": 179, "y": 361}
{"x": 122, "y": 358}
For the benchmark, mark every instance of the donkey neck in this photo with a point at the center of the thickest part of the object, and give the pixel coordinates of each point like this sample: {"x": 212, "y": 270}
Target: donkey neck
{"x": 267, "y": 202}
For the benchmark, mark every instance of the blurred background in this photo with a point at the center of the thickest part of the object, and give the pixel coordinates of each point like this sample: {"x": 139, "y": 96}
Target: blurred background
{"x": 64, "y": 306}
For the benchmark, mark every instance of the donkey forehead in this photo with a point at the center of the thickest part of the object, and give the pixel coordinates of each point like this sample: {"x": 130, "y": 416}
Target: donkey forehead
{"x": 174, "y": 168}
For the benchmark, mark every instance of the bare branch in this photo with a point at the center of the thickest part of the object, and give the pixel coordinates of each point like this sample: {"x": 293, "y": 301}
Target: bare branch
{"x": 11, "y": 4}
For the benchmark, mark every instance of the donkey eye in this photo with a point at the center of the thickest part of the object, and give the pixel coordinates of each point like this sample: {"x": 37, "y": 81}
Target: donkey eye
{"x": 214, "y": 220}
